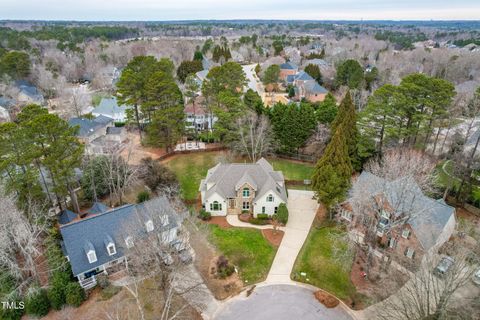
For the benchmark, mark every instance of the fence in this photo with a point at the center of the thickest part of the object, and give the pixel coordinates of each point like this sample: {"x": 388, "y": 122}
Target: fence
{"x": 172, "y": 153}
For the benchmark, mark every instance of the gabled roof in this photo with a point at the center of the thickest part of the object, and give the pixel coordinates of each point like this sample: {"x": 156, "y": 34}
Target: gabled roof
{"x": 91, "y": 232}
{"x": 98, "y": 208}
{"x": 66, "y": 216}
{"x": 303, "y": 76}
{"x": 88, "y": 126}
{"x": 288, "y": 66}
{"x": 225, "y": 179}
{"x": 312, "y": 87}
{"x": 202, "y": 75}
{"x": 29, "y": 89}
{"x": 428, "y": 217}
{"x": 109, "y": 107}
{"x": 206, "y": 64}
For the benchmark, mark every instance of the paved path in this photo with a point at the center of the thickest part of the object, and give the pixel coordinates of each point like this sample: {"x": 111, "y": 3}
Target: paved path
{"x": 301, "y": 212}
{"x": 279, "y": 302}
{"x": 233, "y": 220}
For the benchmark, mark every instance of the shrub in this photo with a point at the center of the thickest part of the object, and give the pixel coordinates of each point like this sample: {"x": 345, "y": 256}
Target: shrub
{"x": 102, "y": 280}
{"x": 37, "y": 303}
{"x": 74, "y": 294}
{"x": 282, "y": 213}
{"x": 110, "y": 291}
{"x": 259, "y": 222}
{"x": 262, "y": 216}
{"x": 204, "y": 215}
{"x": 56, "y": 293}
{"x": 143, "y": 196}
{"x": 154, "y": 174}
{"x": 224, "y": 269}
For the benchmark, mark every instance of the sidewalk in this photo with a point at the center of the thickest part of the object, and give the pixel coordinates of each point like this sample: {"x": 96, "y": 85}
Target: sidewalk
{"x": 233, "y": 220}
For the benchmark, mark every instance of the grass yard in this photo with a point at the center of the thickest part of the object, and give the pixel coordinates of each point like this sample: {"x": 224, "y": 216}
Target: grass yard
{"x": 247, "y": 249}
{"x": 315, "y": 259}
{"x": 293, "y": 170}
{"x": 191, "y": 168}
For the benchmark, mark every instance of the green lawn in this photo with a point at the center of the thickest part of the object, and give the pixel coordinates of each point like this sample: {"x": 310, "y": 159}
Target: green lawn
{"x": 293, "y": 170}
{"x": 315, "y": 259}
{"x": 245, "y": 248}
{"x": 191, "y": 168}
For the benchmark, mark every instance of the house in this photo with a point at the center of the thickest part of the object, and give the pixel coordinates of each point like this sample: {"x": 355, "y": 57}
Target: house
{"x": 111, "y": 142}
{"x": 307, "y": 88}
{"x": 201, "y": 76}
{"x": 98, "y": 243}
{"x": 243, "y": 187}
{"x": 197, "y": 115}
{"x": 287, "y": 69}
{"x": 91, "y": 129}
{"x": 410, "y": 224}
{"x": 109, "y": 107}
{"x": 28, "y": 93}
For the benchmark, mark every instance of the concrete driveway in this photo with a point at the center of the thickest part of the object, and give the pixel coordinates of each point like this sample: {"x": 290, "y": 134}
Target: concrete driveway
{"x": 279, "y": 302}
{"x": 301, "y": 212}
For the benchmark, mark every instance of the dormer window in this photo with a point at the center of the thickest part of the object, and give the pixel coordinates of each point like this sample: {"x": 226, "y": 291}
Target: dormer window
{"x": 246, "y": 192}
{"x": 149, "y": 225}
{"x": 129, "y": 242}
{"x": 111, "y": 249}
{"x": 270, "y": 198}
{"x": 405, "y": 233}
{"x": 92, "y": 256}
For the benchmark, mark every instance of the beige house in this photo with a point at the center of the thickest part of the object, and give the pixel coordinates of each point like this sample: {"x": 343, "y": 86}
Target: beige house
{"x": 243, "y": 187}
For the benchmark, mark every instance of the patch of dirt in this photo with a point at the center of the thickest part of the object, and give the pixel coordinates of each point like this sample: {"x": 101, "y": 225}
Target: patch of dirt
{"x": 467, "y": 215}
{"x": 357, "y": 275}
{"x": 205, "y": 257}
{"x": 219, "y": 221}
{"x": 134, "y": 151}
{"x": 326, "y": 299}
{"x": 274, "y": 237}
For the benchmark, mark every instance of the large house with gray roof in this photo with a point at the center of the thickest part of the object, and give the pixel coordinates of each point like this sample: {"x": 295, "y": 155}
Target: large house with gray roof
{"x": 97, "y": 242}
{"x": 409, "y": 224}
{"x": 235, "y": 188}
{"x": 109, "y": 107}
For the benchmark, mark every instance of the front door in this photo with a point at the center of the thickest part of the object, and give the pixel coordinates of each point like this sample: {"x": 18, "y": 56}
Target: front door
{"x": 231, "y": 203}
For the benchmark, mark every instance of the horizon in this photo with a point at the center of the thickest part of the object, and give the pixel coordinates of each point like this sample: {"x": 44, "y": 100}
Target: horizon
{"x": 188, "y": 10}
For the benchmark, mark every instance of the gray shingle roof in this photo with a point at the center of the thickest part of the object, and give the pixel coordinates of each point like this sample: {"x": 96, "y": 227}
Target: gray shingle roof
{"x": 88, "y": 126}
{"x": 313, "y": 87}
{"x": 226, "y": 177}
{"x": 428, "y": 216}
{"x": 288, "y": 66}
{"x": 302, "y": 75}
{"x": 91, "y": 232}
{"x": 109, "y": 106}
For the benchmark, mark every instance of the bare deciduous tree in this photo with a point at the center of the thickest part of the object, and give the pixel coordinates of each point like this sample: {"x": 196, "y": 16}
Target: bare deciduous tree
{"x": 254, "y": 136}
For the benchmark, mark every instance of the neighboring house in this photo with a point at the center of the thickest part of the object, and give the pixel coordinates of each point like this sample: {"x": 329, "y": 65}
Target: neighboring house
{"x": 240, "y": 187}
{"x": 198, "y": 115}
{"x": 28, "y": 93}
{"x": 207, "y": 64}
{"x": 287, "y": 69}
{"x": 91, "y": 129}
{"x": 307, "y": 88}
{"x": 109, "y": 107}
{"x": 410, "y": 224}
{"x": 201, "y": 76}
{"x": 111, "y": 142}
{"x": 98, "y": 243}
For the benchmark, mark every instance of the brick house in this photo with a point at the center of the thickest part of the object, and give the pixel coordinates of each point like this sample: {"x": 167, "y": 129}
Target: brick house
{"x": 407, "y": 224}
{"x": 287, "y": 69}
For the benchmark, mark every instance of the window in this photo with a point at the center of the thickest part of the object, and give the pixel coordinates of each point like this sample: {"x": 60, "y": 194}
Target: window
{"x": 149, "y": 225}
{"x": 92, "y": 256}
{"x": 129, "y": 242}
{"x": 392, "y": 243}
{"x": 347, "y": 215}
{"x": 409, "y": 253}
{"x": 405, "y": 233}
{"x": 111, "y": 249}
{"x": 246, "y": 205}
{"x": 263, "y": 209}
{"x": 270, "y": 198}
{"x": 215, "y": 206}
{"x": 246, "y": 192}
{"x": 275, "y": 210}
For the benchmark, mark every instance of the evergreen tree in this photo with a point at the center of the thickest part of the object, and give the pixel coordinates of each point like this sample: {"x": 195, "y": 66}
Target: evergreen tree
{"x": 187, "y": 68}
{"x": 253, "y": 101}
{"x": 314, "y": 71}
{"x": 349, "y": 73}
{"x": 327, "y": 109}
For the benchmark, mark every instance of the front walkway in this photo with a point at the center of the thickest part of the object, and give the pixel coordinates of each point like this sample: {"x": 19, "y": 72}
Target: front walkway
{"x": 233, "y": 220}
{"x": 301, "y": 213}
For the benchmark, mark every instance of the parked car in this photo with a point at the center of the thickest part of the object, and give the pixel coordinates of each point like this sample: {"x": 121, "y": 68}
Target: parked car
{"x": 443, "y": 266}
{"x": 476, "y": 277}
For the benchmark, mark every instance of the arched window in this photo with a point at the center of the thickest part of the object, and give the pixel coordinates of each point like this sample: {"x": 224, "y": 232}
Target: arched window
{"x": 270, "y": 198}
{"x": 215, "y": 206}
{"x": 246, "y": 192}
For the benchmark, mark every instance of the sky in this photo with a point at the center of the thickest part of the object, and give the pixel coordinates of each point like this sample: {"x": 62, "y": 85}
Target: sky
{"x": 132, "y": 10}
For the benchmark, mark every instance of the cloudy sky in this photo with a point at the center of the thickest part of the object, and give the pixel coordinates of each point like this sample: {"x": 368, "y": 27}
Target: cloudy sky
{"x": 240, "y": 9}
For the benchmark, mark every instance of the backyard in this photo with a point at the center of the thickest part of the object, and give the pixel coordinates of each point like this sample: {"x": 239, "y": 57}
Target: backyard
{"x": 316, "y": 261}
{"x": 191, "y": 168}
{"x": 246, "y": 249}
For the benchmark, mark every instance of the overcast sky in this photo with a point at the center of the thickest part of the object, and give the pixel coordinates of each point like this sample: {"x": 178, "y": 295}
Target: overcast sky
{"x": 240, "y": 9}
